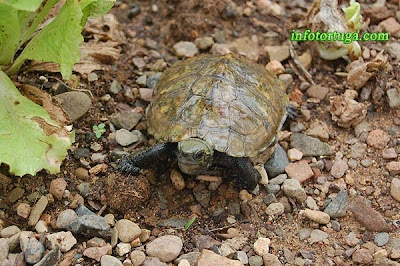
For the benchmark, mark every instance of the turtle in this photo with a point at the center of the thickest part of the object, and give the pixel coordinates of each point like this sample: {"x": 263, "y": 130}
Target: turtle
{"x": 213, "y": 114}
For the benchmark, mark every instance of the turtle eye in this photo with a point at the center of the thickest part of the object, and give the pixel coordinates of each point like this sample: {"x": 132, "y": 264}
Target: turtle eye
{"x": 199, "y": 155}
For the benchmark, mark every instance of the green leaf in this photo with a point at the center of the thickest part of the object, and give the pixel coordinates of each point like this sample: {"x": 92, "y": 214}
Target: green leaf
{"x": 29, "y": 139}
{"x": 353, "y": 15}
{"x": 95, "y": 8}
{"x": 59, "y": 41}
{"x": 9, "y": 33}
{"x": 190, "y": 222}
{"x": 27, "y": 5}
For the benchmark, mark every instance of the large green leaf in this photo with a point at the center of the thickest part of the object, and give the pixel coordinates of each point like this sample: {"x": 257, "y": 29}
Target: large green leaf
{"x": 9, "y": 33}
{"x": 95, "y": 8}
{"x": 29, "y": 139}
{"x": 27, "y": 5}
{"x": 59, "y": 41}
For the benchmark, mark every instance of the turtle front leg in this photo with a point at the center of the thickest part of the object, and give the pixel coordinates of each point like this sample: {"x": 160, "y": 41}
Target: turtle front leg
{"x": 240, "y": 168}
{"x": 153, "y": 156}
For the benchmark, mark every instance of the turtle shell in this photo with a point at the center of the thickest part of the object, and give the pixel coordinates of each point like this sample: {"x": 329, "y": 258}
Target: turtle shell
{"x": 234, "y": 105}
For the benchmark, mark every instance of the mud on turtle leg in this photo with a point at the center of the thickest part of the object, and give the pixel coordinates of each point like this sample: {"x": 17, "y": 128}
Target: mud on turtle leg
{"x": 156, "y": 155}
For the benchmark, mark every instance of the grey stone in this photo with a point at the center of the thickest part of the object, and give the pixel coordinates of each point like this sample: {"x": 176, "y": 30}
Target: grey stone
{"x": 115, "y": 87}
{"x": 108, "y": 260}
{"x": 75, "y": 103}
{"x": 277, "y": 163}
{"x": 34, "y": 251}
{"x": 82, "y": 210}
{"x": 127, "y": 230}
{"x": 335, "y": 225}
{"x": 191, "y": 257}
{"x": 4, "y": 248}
{"x": 65, "y": 217}
{"x": 153, "y": 80}
{"x": 318, "y": 235}
{"x": 10, "y": 231}
{"x": 15, "y": 194}
{"x": 278, "y": 180}
{"x": 152, "y": 261}
{"x": 84, "y": 189}
{"x": 256, "y": 261}
{"x": 381, "y": 239}
{"x": 304, "y": 233}
{"x": 339, "y": 205}
{"x": 125, "y": 137}
{"x": 65, "y": 240}
{"x": 393, "y": 48}
{"x": 51, "y": 258}
{"x": 90, "y": 225}
{"x": 272, "y": 189}
{"x": 309, "y": 146}
{"x": 292, "y": 188}
{"x": 185, "y": 49}
{"x": 14, "y": 242}
{"x": 394, "y": 98}
{"x": 203, "y": 197}
{"x": 270, "y": 198}
{"x": 81, "y": 153}
{"x": 166, "y": 248}
{"x": 126, "y": 119}
{"x": 241, "y": 256}
{"x": 173, "y": 222}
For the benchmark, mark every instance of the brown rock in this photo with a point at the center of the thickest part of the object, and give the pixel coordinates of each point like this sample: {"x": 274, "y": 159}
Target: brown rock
{"x": 209, "y": 258}
{"x": 82, "y": 173}
{"x": 24, "y": 210}
{"x": 362, "y": 256}
{"x": 97, "y": 252}
{"x": 368, "y": 217}
{"x": 395, "y": 189}
{"x": 57, "y": 187}
{"x": 146, "y": 94}
{"x": 279, "y": 53}
{"x": 275, "y": 67}
{"x": 271, "y": 260}
{"x": 389, "y": 153}
{"x": 339, "y": 168}
{"x": 299, "y": 170}
{"x": 318, "y": 129}
{"x": 390, "y": 25}
{"x": 378, "y": 139}
{"x": 317, "y": 91}
{"x": 393, "y": 167}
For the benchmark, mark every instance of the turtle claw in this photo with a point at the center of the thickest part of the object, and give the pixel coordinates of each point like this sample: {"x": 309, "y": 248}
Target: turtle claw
{"x": 125, "y": 166}
{"x": 292, "y": 112}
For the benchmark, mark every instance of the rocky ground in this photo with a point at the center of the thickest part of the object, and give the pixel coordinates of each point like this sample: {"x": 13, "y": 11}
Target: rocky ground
{"x": 332, "y": 193}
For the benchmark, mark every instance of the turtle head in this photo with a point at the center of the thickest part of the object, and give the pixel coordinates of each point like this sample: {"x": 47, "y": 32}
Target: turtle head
{"x": 194, "y": 156}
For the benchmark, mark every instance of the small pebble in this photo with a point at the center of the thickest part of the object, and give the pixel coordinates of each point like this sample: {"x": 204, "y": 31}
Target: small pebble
{"x": 127, "y": 230}
{"x": 10, "y": 231}
{"x": 294, "y": 154}
{"x": 381, "y": 239}
{"x": 317, "y": 216}
{"x": 65, "y": 217}
{"x": 165, "y": 248}
{"x": 261, "y": 246}
{"x": 34, "y": 251}
{"x": 108, "y": 260}
{"x": 24, "y": 210}
{"x": 57, "y": 188}
{"x": 137, "y": 257}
